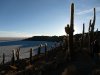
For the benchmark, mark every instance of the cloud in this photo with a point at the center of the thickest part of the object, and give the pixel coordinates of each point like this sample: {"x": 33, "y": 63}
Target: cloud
{"x": 88, "y": 11}
{"x": 14, "y": 34}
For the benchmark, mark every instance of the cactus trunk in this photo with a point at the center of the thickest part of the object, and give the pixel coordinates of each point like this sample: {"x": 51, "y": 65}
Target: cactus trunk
{"x": 91, "y": 31}
{"x": 31, "y": 56}
{"x": 45, "y": 49}
{"x": 71, "y": 30}
{"x": 13, "y": 58}
{"x": 3, "y": 61}
{"x": 17, "y": 54}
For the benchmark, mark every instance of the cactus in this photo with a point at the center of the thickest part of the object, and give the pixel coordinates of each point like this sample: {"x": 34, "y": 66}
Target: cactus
{"x": 91, "y": 30}
{"x": 45, "y": 48}
{"x": 13, "y": 58}
{"x": 39, "y": 49}
{"x": 89, "y": 26}
{"x": 31, "y": 56}
{"x": 93, "y": 24}
{"x": 17, "y": 53}
{"x": 70, "y": 29}
{"x": 3, "y": 61}
{"x": 67, "y": 29}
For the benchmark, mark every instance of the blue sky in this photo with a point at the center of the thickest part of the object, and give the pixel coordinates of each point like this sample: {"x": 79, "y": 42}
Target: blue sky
{"x": 25, "y": 18}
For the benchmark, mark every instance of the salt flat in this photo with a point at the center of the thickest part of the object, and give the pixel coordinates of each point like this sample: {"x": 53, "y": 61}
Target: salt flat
{"x": 6, "y": 46}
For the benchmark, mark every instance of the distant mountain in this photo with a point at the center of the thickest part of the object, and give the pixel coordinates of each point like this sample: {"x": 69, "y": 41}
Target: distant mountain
{"x": 58, "y": 38}
{"x": 11, "y": 38}
{"x": 45, "y": 38}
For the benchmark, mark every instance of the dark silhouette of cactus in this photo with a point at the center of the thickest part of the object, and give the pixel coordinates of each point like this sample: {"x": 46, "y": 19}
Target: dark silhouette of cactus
{"x": 89, "y": 26}
{"x": 93, "y": 24}
{"x": 91, "y": 30}
{"x": 70, "y": 29}
{"x": 82, "y": 38}
{"x": 13, "y": 58}
{"x": 45, "y": 48}
{"x": 67, "y": 29}
{"x": 3, "y": 61}
{"x": 31, "y": 56}
{"x": 39, "y": 49}
{"x": 17, "y": 53}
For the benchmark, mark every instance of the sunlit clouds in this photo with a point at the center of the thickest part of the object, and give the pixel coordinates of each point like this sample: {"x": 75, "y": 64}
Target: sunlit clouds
{"x": 88, "y": 11}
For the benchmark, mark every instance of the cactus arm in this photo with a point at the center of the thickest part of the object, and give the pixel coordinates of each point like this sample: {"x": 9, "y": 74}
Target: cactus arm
{"x": 71, "y": 31}
{"x": 83, "y": 28}
{"x": 89, "y": 26}
{"x": 94, "y": 19}
{"x": 72, "y": 16}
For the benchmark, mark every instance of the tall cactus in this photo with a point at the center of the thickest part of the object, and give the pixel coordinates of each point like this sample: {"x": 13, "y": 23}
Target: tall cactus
{"x": 3, "y": 61}
{"x": 70, "y": 29}
{"x": 31, "y": 56}
{"x": 45, "y": 48}
{"x": 89, "y": 26}
{"x": 17, "y": 53}
{"x": 94, "y": 18}
{"x": 39, "y": 50}
{"x": 91, "y": 29}
{"x": 91, "y": 33}
{"x": 13, "y": 58}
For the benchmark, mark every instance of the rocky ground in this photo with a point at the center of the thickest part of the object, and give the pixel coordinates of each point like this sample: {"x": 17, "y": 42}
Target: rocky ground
{"x": 55, "y": 63}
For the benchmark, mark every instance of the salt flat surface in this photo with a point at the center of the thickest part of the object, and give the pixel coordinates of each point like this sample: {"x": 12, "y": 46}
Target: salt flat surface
{"x": 7, "y": 47}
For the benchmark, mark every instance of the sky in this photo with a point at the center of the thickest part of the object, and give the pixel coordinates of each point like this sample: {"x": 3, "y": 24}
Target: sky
{"x": 26, "y": 18}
